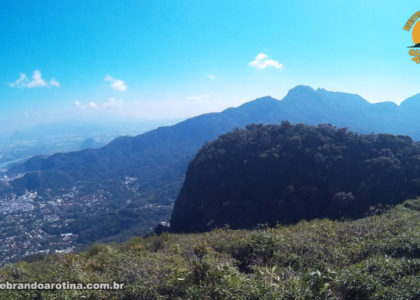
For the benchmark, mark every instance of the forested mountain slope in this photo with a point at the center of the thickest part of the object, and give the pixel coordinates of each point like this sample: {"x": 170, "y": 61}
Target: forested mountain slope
{"x": 268, "y": 174}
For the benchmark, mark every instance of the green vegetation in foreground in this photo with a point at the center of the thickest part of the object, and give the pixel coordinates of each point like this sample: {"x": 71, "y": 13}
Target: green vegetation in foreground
{"x": 377, "y": 257}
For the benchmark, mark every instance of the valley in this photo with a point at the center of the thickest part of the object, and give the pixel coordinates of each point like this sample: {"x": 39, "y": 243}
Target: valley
{"x": 32, "y": 225}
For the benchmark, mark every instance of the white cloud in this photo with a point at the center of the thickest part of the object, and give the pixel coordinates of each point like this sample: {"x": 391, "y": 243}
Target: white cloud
{"x": 111, "y": 103}
{"x": 54, "y": 82}
{"x": 262, "y": 61}
{"x": 211, "y": 76}
{"x": 35, "y": 81}
{"x": 198, "y": 98}
{"x": 116, "y": 84}
{"x": 21, "y": 82}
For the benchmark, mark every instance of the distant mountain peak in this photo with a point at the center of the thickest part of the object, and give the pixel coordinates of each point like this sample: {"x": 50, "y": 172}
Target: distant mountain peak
{"x": 301, "y": 89}
{"x": 262, "y": 103}
{"x": 301, "y": 93}
{"x": 265, "y": 99}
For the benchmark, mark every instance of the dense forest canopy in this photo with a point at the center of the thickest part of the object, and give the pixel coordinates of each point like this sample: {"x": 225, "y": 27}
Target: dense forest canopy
{"x": 285, "y": 173}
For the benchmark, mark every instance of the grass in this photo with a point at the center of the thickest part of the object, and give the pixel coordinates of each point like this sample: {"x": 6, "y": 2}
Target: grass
{"x": 377, "y": 257}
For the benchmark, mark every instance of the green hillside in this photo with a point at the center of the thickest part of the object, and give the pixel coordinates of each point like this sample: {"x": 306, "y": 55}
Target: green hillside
{"x": 377, "y": 257}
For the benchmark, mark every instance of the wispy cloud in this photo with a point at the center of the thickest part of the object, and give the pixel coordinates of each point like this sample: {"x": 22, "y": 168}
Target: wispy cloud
{"x": 262, "y": 61}
{"x": 35, "y": 81}
{"x": 111, "y": 103}
{"x": 211, "y": 76}
{"x": 116, "y": 84}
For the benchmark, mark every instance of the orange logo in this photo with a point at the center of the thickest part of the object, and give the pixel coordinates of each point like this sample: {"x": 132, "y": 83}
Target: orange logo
{"x": 413, "y": 24}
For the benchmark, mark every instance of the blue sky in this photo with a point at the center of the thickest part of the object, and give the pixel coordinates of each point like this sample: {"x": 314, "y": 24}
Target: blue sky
{"x": 175, "y": 59}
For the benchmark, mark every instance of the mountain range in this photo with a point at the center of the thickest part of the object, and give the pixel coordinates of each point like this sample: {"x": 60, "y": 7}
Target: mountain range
{"x": 173, "y": 145}
{"x": 130, "y": 184}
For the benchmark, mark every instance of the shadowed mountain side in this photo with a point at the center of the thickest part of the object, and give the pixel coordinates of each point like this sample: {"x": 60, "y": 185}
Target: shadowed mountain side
{"x": 268, "y": 174}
